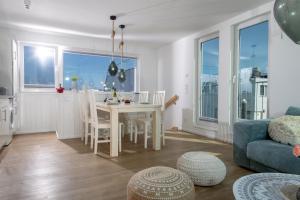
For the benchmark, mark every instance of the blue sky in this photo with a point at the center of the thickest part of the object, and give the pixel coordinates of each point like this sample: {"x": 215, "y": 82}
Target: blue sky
{"x": 254, "y": 46}
{"x": 91, "y": 69}
{"x": 253, "y": 50}
{"x": 38, "y": 71}
{"x": 210, "y": 57}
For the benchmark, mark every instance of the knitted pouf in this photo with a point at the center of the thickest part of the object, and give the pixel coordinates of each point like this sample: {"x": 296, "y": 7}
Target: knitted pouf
{"x": 203, "y": 168}
{"x": 160, "y": 183}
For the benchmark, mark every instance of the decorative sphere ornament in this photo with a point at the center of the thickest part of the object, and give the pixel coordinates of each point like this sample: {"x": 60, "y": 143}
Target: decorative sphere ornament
{"x": 122, "y": 75}
{"x": 287, "y": 15}
{"x": 113, "y": 68}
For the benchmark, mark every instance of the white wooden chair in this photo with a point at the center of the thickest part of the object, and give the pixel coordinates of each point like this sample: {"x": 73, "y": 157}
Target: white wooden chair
{"x": 98, "y": 124}
{"x": 101, "y": 123}
{"x": 158, "y": 99}
{"x": 84, "y": 115}
{"x": 132, "y": 117}
{"x": 144, "y": 97}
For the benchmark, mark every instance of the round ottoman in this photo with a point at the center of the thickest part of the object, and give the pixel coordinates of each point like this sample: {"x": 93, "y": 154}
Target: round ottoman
{"x": 161, "y": 183}
{"x": 203, "y": 168}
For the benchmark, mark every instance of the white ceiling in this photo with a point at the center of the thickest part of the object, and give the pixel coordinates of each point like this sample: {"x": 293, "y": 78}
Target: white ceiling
{"x": 155, "y": 21}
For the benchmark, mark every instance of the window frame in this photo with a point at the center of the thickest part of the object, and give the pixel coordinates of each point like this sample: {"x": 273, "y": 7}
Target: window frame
{"x": 198, "y": 100}
{"x": 59, "y": 51}
{"x": 236, "y": 66}
{"x": 21, "y": 46}
{"x": 97, "y": 53}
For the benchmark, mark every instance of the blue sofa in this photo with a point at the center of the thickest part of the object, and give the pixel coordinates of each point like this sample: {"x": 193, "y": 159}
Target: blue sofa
{"x": 253, "y": 148}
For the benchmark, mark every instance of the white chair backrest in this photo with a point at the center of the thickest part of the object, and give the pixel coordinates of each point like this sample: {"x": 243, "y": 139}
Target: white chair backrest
{"x": 93, "y": 110}
{"x": 159, "y": 99}
{"x": 83, "y": 105}
{"x": 126, "y": 96}
{"x": 143, "y": 96}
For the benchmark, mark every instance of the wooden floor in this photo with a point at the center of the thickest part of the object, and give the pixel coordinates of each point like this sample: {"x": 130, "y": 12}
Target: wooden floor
{"x": 38, "y": 166}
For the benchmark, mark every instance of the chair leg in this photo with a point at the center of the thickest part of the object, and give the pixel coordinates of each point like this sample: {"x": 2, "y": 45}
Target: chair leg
{"x": 131, "y": 130}
{"x": 86, "y": 133}
{"x": 146, "y": 136}
{"x": 123, "y": 131}
{"x": 92, "y": 136}
{"x": 82, "y": 129}
{"x": 163, "y": 134}
{"x": 96, "y": 136}
{"x": 120, "y": 137}
{"x": 135, "y": 133}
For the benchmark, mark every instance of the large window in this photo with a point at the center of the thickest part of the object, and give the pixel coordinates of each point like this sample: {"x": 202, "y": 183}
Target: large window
{"x": 91, "y": 71}
{"x": 252, "y": 70}
{"x": 39, "y": 67}
{"x": 208, "y": 79}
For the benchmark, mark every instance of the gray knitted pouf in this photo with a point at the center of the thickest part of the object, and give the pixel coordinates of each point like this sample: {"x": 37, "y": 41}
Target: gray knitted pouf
{"x": 203, "y": 168}
{"x": 160, "y": 183}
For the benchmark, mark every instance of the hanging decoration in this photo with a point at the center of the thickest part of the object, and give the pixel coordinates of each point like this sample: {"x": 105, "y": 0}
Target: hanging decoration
{"x": 287, "y": 15}
{"x": 122, "y": 74}
{"x": 113, "y": 68}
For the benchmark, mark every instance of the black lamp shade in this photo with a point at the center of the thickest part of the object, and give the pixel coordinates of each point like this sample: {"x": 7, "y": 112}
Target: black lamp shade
{"x": 122, "y": 75}
{"x": 287, "y": 15}
{"x": 113, "y": 68}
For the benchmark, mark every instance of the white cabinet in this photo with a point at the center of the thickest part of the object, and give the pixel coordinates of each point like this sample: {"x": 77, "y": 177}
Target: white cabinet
{"x": 68, "y": 119}
{"x": 5, "y": 129}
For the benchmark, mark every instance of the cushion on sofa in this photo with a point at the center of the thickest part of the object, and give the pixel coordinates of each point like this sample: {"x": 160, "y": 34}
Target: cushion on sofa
{"x": 293, "y": 111}
{"x": 285, "y": 129}
{"x": 274, "y": 155}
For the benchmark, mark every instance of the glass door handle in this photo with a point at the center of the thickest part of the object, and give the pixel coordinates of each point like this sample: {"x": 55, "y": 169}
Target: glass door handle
{"x": 233, "y": 79}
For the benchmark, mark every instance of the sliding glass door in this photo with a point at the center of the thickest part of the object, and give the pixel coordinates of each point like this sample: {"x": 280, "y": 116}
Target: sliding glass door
{"x": 251, "y": 74}
{"x": 208, "y": 71}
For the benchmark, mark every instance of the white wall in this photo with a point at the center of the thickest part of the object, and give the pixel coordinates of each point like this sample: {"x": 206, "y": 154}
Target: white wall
{"x": 176, "y": 74}
{"x": 38, "y": 111}
{"x": 5, "y": 61}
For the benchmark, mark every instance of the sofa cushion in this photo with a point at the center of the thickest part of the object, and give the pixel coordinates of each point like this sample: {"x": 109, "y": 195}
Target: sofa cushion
{"x": 274, "y": 155}
{"x": 293, "y": 111}
{"x": 285, "y": 129}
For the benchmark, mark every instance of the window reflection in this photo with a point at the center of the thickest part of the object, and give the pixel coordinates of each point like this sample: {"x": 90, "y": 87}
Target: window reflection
{"x": 91, "y": 69}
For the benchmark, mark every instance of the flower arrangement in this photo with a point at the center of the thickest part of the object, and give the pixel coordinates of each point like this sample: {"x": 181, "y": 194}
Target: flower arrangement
{"x": 74, "y": 80}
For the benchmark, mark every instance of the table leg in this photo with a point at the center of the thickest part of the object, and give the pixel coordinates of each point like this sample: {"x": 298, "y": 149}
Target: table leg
{"x": 156, "y": 129}
{"x": 114, "y": 133}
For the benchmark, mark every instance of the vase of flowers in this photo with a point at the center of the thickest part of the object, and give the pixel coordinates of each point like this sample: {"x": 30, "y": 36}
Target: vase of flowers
{"x": 74, "y": 80}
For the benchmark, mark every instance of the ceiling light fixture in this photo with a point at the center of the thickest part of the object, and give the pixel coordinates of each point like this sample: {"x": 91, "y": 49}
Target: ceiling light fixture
{"x": 113, "y": 68}
{"x": 122, "y": 74}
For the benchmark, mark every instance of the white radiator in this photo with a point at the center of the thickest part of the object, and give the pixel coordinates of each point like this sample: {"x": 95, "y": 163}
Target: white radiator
{"x": 225, "y": 132}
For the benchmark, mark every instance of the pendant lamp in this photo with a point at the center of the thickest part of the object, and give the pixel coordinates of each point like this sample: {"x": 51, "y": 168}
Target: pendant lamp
{"x": 122, "y": 74}
{"x": 113, "y": 68}
{"x": 287, "y": 15}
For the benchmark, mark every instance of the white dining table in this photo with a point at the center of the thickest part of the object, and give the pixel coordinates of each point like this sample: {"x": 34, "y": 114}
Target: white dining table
{"x": 115, "y": 110}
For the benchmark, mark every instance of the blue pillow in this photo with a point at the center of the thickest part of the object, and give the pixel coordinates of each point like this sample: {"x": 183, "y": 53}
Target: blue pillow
{"x": 295, "y": 111}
